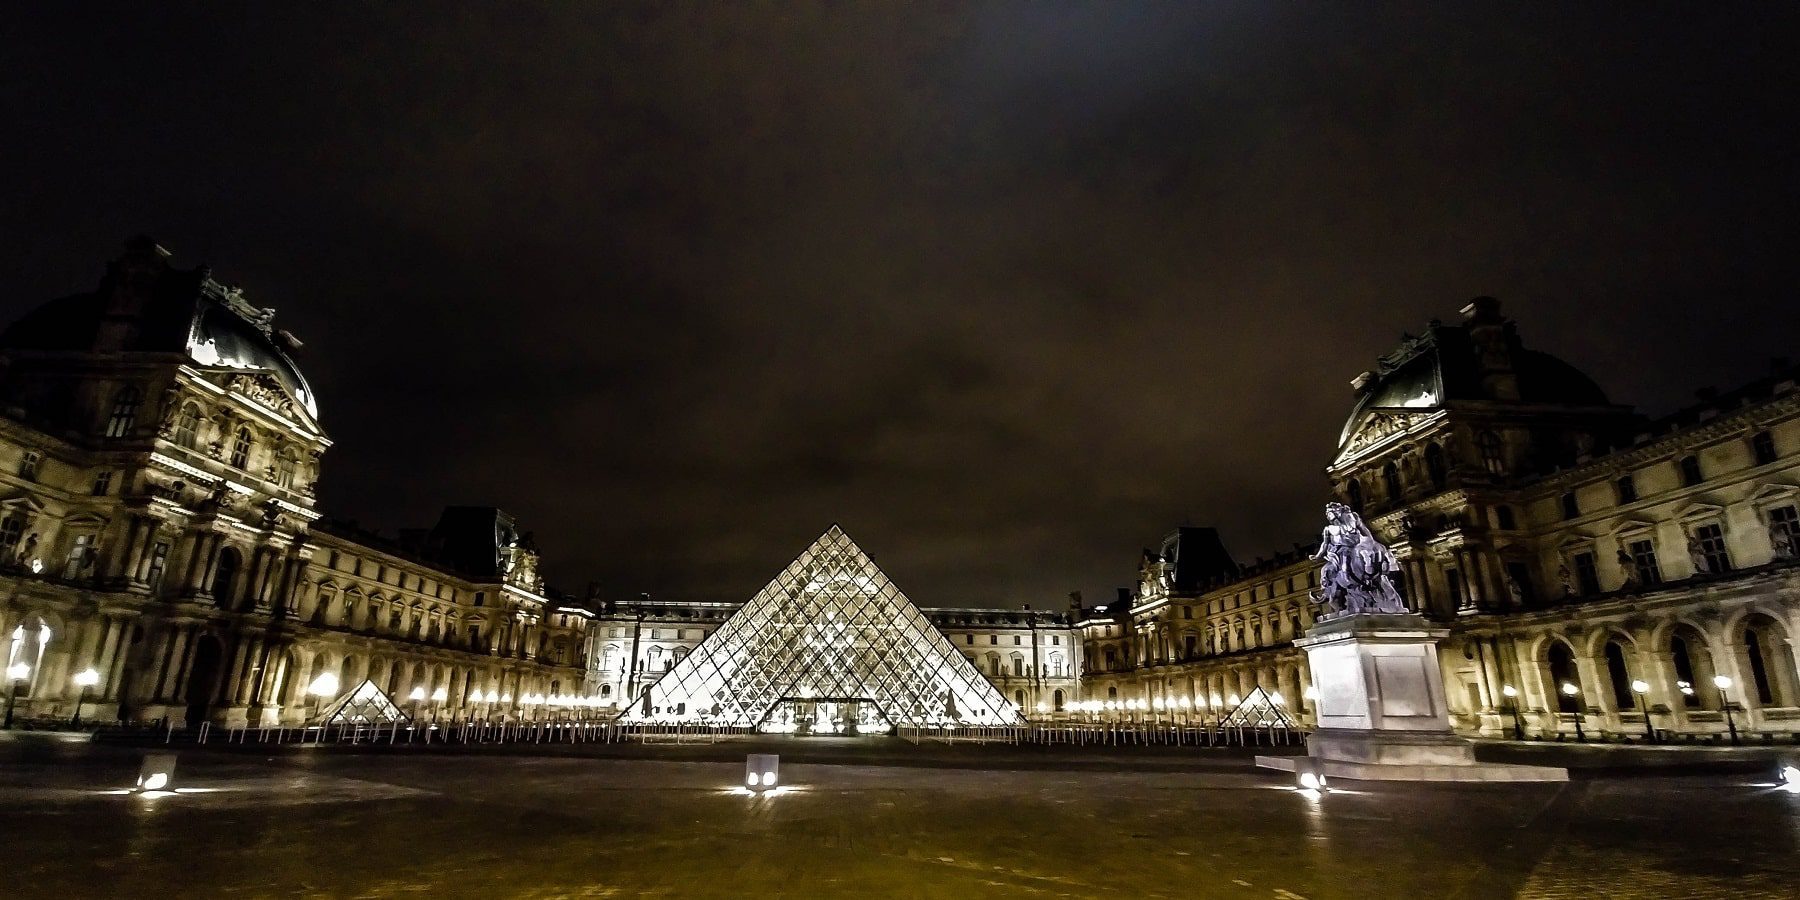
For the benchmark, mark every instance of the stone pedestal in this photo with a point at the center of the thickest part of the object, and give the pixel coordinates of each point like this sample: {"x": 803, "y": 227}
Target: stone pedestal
{"x": 1381, "y": 708}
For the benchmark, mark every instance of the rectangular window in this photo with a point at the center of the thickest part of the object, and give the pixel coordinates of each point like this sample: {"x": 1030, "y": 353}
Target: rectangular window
{"x": 1643, "y": 559}
{"x": 1587, "y": 576}
{"x": 1690, "y": 471}
{"x": 1762, "y": 448}
{"x": 159, "y": 559}
{"x": 1056, "y": 640}
{"x": 29, "y": 463}
{"x": 1627, "y": 489}
{"x": 1015, "y": 640}
{"x": 102, "y": 484}
{"x": 995, "y": 639}
{"x": 78, "y": 555}
{"x": 1712, "y": 547}
{"x": 1571, "y": 508}
{"x": 1784, "y": 528}
{"x": 969, "y": 639}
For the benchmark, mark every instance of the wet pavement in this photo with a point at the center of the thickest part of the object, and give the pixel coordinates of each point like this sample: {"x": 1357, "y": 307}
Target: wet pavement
{"x": 1064, "y": 823}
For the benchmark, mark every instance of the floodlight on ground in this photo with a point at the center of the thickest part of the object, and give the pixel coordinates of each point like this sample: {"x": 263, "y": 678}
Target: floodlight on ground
{"x": 325, "y": 685}
{"x": 761, "y": 771}
{"x": 156, "y": 772}
{"x": 417, "y": 694}
{"x": 1790, "y": 778}
{"x": 1309, "y": 774}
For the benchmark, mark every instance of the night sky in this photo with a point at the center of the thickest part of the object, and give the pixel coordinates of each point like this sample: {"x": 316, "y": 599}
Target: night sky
{"x": 1008, "y": 291}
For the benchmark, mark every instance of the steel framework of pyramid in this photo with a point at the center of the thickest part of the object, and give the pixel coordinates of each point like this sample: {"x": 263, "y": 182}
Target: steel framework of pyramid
{"x": 830, "y": 645}
{"x": 366, "y": 705}
{"x": 1258, "y": 710}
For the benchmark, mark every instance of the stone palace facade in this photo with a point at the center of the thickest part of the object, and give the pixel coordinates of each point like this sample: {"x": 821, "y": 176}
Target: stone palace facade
{"x": 1591, "y": 564}
{"x": 159, "y": 451}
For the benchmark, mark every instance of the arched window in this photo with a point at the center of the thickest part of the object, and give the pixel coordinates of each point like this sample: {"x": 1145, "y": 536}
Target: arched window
{"x": 1390, "y": 480}
{"x": 1493, "y": 453}
{"x": 1057, "y": 700}
{"x": 1112, "y": 693}
{"x": 1693, "y": 669}
{"x": 225, "y": 577}
{"x": 1620, "y": 676}
{"x": 1353, "y": 488}
{"x": 1018, "y": 665}
{"x": 1771, "y": 661}
{"x": 124, "y": 412}
{"x": 187, "y": 426}
{"x": 1434, "y": 465}
{"x": 240, "y": 448}
{"x": 1019, "y": 699}
{"x": 1562, "y": 671}
{"x": 605, "y": 691}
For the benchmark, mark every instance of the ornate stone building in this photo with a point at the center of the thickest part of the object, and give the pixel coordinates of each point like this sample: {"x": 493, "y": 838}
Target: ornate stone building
{"x": 1590, "y": 562}
{"x": 159, "y": 453}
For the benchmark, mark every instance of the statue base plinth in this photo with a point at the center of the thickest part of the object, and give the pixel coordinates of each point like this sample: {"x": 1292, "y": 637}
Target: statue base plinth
{"x": 1381, "y": 708}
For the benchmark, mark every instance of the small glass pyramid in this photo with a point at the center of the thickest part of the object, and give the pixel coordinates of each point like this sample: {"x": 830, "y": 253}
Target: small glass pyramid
{"x": 366, "y": 705}
{"x": 830, "y": 646}
{"x": 1259, "y": 710}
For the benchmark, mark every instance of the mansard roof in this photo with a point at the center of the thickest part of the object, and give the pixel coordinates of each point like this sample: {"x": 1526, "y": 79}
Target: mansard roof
{"x": 162, "y": 309}
{"x": 1442, "y": 367}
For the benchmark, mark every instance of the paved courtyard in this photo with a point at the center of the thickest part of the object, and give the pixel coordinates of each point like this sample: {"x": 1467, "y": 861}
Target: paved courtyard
{"x": 483, "y": 824}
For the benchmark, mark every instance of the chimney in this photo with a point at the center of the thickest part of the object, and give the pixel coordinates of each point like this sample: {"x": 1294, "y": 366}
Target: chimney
{"x": 1492, "y": 338}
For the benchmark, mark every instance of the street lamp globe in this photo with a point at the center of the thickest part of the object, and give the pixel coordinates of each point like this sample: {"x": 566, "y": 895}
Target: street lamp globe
{"x": 440, "y": 695}
{"x": 1508, "y": 691}
{"x": 1722, "y": 682}
{"x": 417, "y": 694}
{"x": 87, "y": 678}
{"x": 18, "y": 671}
{"x": 1569, "y": 689}
{"x": 1641, "y": 686}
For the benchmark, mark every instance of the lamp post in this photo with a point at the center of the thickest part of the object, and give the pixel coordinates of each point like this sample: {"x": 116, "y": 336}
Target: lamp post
{"x": 1574, "y": 694}
{"x": 1642, "y": 690}
{"x": 15, "y": 676}
{"x": 417, "y": 696}
{"x": 1512, "y": 702}
{"x": 87, "y": 678}
{"x": 1723, "y": 683}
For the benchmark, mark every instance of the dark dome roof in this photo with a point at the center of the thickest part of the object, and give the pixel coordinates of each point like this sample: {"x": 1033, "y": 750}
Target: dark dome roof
{"x": 1441, "y": 367}
{"x": 181, "y": 312}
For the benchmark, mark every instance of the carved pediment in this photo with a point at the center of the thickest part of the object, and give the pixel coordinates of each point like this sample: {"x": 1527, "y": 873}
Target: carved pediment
{"x": 266, "y": 390}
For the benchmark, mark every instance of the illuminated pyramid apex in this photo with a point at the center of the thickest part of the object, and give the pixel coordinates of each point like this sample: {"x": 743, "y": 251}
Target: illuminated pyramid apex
{"x": 829, "y": 645}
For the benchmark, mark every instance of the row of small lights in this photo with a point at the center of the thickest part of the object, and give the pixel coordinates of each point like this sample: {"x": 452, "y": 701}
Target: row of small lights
{"x": 1173, "y": 705}
{"x": 327, "y": 685}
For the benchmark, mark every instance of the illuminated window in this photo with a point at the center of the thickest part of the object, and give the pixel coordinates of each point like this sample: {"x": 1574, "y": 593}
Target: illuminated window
{"x": 240, "y": 448}
{"x": 124, "y": 412}
{"x": 1493, "y": 457}
{"x": 187, "y": 426}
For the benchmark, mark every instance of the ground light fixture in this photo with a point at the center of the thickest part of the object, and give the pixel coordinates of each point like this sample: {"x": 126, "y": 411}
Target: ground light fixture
{"x": 1309, "y": 774}
{"x": 156, "y": 773}
{"x": 1790, "y": 778}
{"x": 762, "y": 771}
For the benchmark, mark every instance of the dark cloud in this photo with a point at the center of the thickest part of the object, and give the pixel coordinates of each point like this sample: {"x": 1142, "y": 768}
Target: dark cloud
{"x": 1008, "y": 290}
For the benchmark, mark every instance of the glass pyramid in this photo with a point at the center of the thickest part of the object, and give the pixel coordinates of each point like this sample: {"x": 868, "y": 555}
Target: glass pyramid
{"x": 1259, "y": 710}
{"x": 830, "y": 646}
{"x": 367, "y": 705}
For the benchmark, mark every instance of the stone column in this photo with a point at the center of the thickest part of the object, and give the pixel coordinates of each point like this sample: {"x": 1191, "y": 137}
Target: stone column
{"x": 118, "y": 557}
{"x": 173, "y": 661}
{"x": 134, "y": 558}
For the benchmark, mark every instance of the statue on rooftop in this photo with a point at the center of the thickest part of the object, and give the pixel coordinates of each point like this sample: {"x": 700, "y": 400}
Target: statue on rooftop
{"x": 1356, "y": 575}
